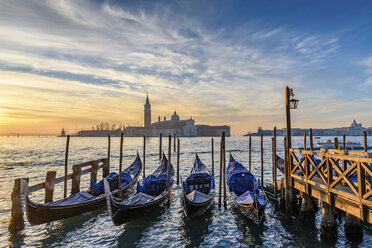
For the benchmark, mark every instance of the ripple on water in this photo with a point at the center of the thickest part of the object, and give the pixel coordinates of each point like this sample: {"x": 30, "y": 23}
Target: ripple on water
{"x": 32, "y": 157}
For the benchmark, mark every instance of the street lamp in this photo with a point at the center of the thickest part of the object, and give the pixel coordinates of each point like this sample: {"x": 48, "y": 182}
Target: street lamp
{"x": 290, "y": 103}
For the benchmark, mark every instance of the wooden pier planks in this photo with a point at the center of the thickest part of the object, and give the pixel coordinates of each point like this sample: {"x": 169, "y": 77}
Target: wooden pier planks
{"x": 336, "y": 190}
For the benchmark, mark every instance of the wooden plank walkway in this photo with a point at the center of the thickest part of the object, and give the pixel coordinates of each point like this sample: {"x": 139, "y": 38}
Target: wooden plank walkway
{"x": 340, "y": 178}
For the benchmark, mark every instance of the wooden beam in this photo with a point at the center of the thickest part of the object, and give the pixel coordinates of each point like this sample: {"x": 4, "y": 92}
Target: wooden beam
{"x": 40, "y": 186}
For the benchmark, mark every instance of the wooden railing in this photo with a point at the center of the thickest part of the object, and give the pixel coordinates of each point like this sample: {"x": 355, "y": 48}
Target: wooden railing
{"x": 332, "y": 178}
{"x": 16, "y": 221}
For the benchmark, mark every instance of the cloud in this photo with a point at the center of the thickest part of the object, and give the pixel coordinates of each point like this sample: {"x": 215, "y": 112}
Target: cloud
{"x": 110, "y": 54}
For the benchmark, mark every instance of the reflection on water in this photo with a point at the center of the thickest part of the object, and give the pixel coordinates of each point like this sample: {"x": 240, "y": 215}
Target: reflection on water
{"x": 133, "y": 231}
{"x": 251, "y": 231}
{"x": 34, "y": 156}
{"x": 193, "y": 231}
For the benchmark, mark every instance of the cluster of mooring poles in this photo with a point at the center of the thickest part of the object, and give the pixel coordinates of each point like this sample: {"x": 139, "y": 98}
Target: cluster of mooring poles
{"x": 328, "y": 180}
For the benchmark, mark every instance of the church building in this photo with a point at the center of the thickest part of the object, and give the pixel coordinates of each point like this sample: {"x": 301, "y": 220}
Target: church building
{"x": 181, "y": 128}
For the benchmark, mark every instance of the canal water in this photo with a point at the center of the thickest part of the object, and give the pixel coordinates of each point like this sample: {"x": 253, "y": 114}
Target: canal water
{"x": 32, "y": 156}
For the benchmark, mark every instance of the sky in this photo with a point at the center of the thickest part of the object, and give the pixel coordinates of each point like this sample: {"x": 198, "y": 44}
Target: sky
{"x": 73, "y": 64}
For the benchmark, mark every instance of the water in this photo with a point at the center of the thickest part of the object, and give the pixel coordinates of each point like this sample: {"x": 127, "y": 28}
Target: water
{"x": 33, "y": 156}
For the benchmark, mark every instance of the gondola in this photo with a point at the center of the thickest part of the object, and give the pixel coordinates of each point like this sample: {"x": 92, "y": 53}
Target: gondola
{"x": 83, "y": 201}
{"x": 197, "y": 190}
{"x": 248, "y": 197}
{"x": 150, "y": 196}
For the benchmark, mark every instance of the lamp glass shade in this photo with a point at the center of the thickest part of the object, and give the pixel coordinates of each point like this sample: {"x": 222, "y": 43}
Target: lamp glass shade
{"x": 293, "y": 103}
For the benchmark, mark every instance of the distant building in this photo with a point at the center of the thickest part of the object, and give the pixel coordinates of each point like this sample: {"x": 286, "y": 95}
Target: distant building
{"x": 147, "y": 113}
{"x": 63, "y": 133}
{"x": 354, "y": 129}
{"x": 173, "y": 126}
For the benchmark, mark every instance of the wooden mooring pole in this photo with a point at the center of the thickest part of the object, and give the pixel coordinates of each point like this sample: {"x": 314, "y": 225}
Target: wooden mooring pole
{"x": 160, "y": 144}
{"x": 16, "y": 220}
{"x": 344, "y": 144}
{"x": 274, "y": 163}
{"x": 75, "y": 180}
{"x": 212, "y": 157}
{"x": 66, "y": 168}
{"x": 178, "y": 161}
{"x": 365, "y": 142}
{"x": 335, "y": 142}
{"x": 49, "y": 185}
{"x": 144, "y": 158}
{"x": 304, "y": 141}
{"x": 311, "y": 139}
{"x": 224, "y": 169}
{"x": 120, "y": 165}
{"x": 94, "y": 170}
{"x": 168, "y": 167}
{"x": 262, "y": 163}
{"x": 220, "y": 183}
{"x": 174, "y": 142}
{"x": 106, "y": 166}
{"x": 250, "y": 154}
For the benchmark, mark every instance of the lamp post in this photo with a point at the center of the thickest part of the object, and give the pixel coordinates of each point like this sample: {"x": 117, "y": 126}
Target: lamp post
{"x": 290, "y": 104}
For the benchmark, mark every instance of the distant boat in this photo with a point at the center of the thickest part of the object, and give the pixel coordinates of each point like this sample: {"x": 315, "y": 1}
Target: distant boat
{"x": 248, "y": 197}
{"x": 197, "y": 190}
{"x": 316, "y": 137}
{"x": 330, "y": 144}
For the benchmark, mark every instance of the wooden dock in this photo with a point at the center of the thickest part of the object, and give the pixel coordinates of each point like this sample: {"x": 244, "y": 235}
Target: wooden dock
{"x": 330, "y": 180}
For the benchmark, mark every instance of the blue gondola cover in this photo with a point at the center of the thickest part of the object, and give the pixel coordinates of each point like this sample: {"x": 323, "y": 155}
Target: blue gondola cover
{"x": 75, "y": 199}
{"x": 239, "y": 179}
{"x": 248, "y": 198}
{"x": 156, "y": 183}
{"x": 127, "y": 176}
{"x": 199, "y": 179}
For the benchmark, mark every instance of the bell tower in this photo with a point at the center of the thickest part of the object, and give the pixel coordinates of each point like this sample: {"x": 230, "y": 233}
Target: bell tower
{"x": 147, "y": 112}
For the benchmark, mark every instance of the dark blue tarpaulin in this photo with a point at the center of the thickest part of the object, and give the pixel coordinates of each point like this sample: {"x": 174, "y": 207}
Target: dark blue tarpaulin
{"x": 239, "y": 179}
{"x": 127, "y": 176}
{"x": 156, "y": 183}
{"x": 75, "y": 199}
{"x": 199, "y": 178}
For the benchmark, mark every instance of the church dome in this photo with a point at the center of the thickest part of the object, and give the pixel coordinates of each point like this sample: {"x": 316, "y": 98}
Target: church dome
{"x": 175, "y": 117}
